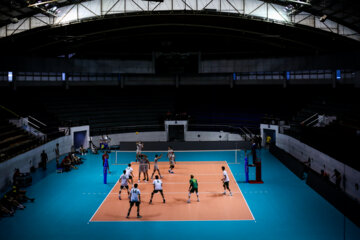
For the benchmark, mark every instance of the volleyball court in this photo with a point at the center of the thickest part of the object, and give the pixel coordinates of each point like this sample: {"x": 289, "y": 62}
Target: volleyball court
{"x": 213, "y": 205}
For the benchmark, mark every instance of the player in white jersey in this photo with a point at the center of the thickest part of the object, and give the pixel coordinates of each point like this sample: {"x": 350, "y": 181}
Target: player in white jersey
{"x": 156, "y": 166}
{"x": 139, "y": 147}
{"x": 172, "y": 162}
{"x": 135, "y": 199}
{"x": 226, "y": 181}
{"x": 170, "y": 151}
{"x": 124, "y": 180}
{"x": 129, "y": 173}
{"x": 157, "y": 188}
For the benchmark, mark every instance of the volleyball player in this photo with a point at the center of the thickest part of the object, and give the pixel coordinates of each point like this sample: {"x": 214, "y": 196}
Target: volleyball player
{"x": 143, "y": 167}
{"x": 147, "y": 167}
{"x": 157, "y": 188}
{"x": 170, "y": 151}
{"x": 156, "y": 166}
{"x": 226, "y": 181}
{"x": 124, "y": 180}
{"x": 135, "y": 198}
{"x": 193, "y": 188}
{"x": 129, "y": 173}
{"x": 172, "y": 162}
{"x": 139, "y": 147}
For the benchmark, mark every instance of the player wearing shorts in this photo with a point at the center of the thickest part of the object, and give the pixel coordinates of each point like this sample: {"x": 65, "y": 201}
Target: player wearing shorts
{"x": 147, "y": 167}
{"x": 139, "y": 147}
{"x": 226, "y": 181}
{"x": 124, "y": 180}
{"x": 193, "y": 188}
{"x": 143, "y": 167}
{"x": 157, "y": 188}
{"x": 172, "y": 162}
{"x": 135, "y": 199}
{"x": 129, "y": 173}
{"x": 156, "y": 166}
{"x": 170, "y": 151}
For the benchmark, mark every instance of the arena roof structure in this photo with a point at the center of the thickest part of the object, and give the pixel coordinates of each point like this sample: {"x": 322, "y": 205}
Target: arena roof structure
{"x": 340, "y": 17}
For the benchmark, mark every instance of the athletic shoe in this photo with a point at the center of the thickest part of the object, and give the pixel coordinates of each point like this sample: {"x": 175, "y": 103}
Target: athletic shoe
{"x": 188, "y": 201}
{"x": 127, "y": 216}
{"x": 150, "y": 202}
{"x": 164, "y": 201}
{"x": 161, "y": 176}
{"x": 139, "y": 181}
{"x": 151, "y": 177}
{"x": 230, "y": 194}
{"x": 225, "y": 193}
{"x": 169, "y": 171}
{"x": 139, "y": 216}
{"x": 119, "y": 197}
{"x": 145, "y": 181}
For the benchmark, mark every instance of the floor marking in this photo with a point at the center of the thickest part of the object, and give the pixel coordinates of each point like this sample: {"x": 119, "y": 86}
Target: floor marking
{"x": 102, "y": 201}
{"x": 241, "y": 193}
{"x": 156, "y": 151}
{"x": 222, "y": 193}
{"x": 149, "y": 221}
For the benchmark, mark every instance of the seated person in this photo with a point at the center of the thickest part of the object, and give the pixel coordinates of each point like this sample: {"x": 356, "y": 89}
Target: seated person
{"x": 82, "y": 150}
{"x": 67, "y": 164}
{"x": 4, "y": 210}
{"x": 10, "y": 203}
{"x": 20, "y": 195}
{"x": 76, "y": 160}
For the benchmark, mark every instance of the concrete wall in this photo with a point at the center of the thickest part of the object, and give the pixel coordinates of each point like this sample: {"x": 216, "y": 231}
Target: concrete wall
{"x": 321, "y": 161}
{"x": 162, "y": 137}
{"x": 31, "y": 158}
{"x": 211, "y": 136}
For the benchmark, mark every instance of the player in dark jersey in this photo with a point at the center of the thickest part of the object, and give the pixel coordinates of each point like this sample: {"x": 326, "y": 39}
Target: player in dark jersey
{"x": 193, "y": 188}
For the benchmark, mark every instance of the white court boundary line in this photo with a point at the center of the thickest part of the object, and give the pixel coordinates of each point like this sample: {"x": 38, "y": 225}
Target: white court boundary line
{"x": 175, "y": 151}
{"x": 178, "y": 193}
{"x": 240, "y": 191}
{"x": 103, "y": 201}
{"x": 166, "y": 193}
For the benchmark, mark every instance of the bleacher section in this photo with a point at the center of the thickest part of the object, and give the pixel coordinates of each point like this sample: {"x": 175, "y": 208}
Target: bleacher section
{"x": 340, "y": 139}
{"x": 14, "y": 141}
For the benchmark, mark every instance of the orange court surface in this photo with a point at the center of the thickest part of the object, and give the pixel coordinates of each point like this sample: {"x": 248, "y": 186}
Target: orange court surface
{"x": 213, "y": 205}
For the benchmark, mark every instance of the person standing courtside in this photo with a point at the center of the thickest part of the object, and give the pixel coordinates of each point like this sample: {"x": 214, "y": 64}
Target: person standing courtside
{"x": 44, "y": 159}
{"x": 57, "y": 154}
{"x": 135, "y": 198}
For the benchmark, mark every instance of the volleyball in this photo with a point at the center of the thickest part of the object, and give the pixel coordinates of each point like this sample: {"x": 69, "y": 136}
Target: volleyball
{"x": 137, "y": 133}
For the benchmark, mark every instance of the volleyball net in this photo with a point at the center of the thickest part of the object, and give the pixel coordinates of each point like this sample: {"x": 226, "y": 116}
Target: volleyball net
{"x": 232, "y": 156}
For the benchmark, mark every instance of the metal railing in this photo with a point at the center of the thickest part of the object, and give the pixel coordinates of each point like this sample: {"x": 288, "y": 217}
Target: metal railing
{"x": 310, "y": 120}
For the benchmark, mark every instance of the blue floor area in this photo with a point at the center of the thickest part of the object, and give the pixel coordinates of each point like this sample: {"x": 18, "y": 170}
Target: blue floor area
{"x": 284, "y": 207}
